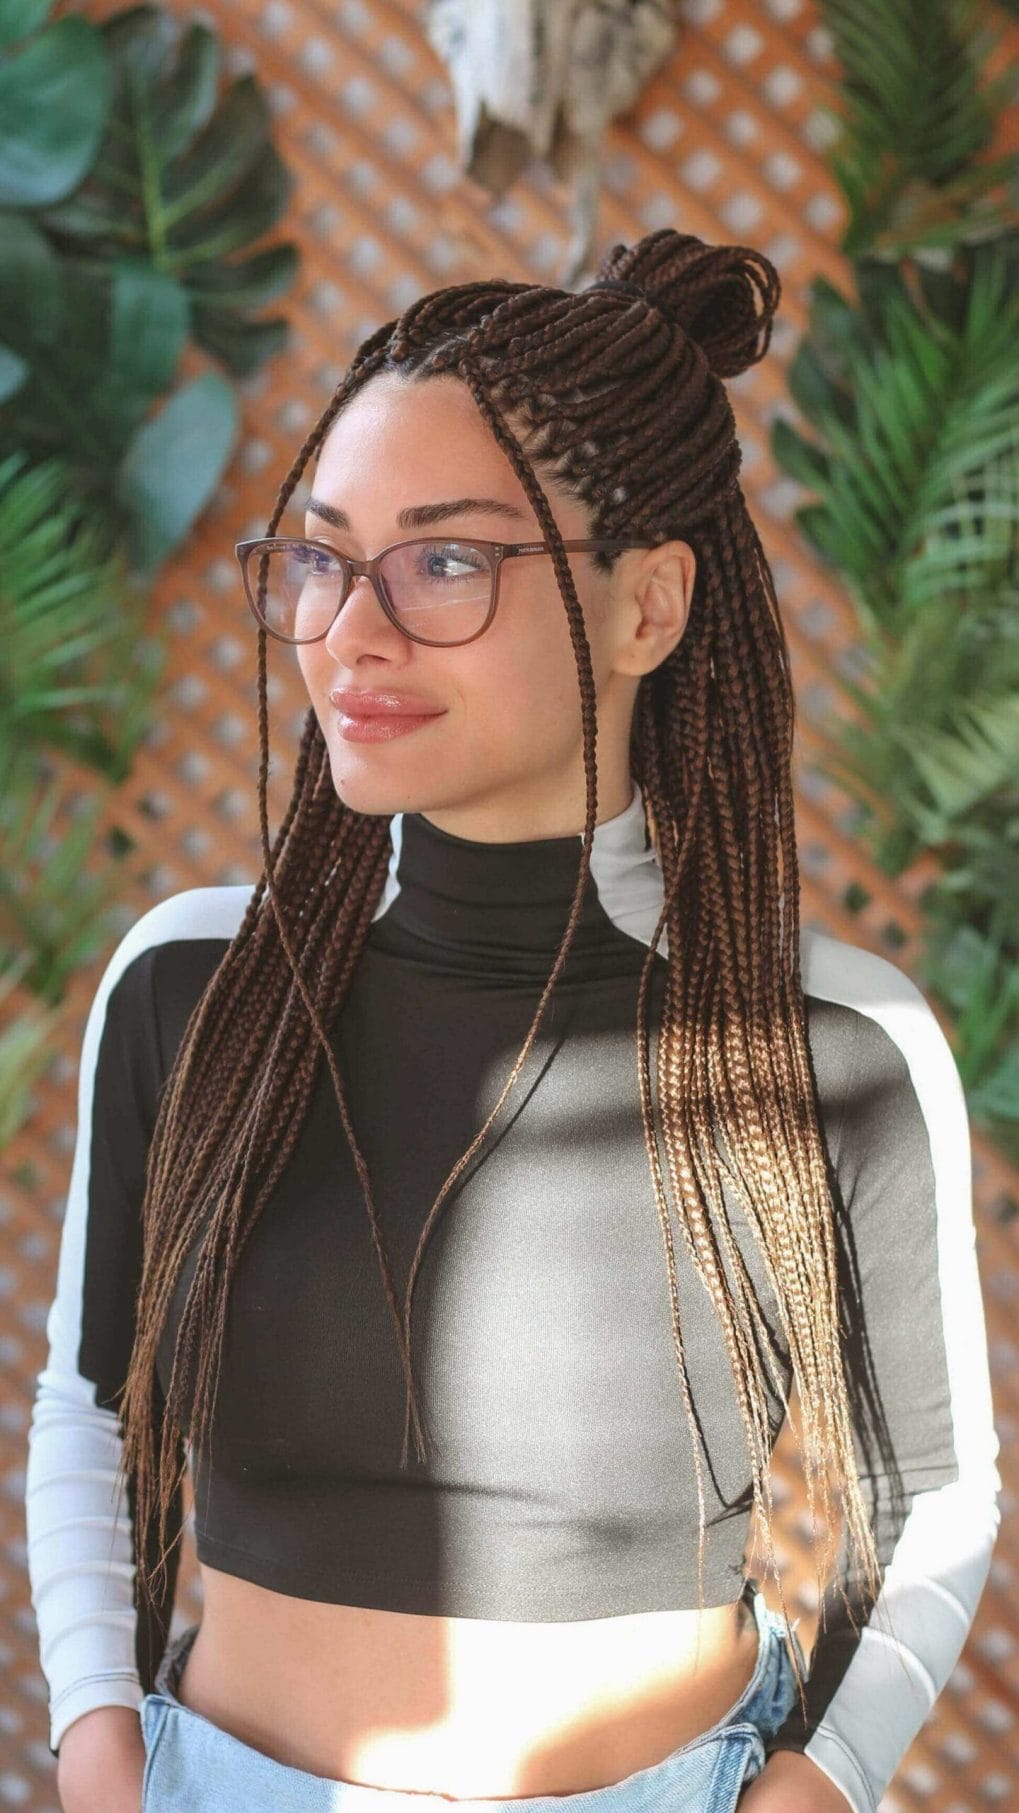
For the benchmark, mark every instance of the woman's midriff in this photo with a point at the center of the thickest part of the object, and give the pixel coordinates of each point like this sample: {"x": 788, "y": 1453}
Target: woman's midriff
{"x": 463, "y": 1707}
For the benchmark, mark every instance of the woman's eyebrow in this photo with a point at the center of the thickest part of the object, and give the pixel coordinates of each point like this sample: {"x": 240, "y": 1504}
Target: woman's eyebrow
{"x": 419, "y": 516}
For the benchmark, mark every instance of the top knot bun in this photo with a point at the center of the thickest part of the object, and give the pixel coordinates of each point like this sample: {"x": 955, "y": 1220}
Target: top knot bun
{"x": 712, "y": 292}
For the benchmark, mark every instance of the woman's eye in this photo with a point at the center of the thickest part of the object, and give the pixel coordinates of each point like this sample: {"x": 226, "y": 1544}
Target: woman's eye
{"x": 316, "y": 558}
{"x": 450, "y": 563}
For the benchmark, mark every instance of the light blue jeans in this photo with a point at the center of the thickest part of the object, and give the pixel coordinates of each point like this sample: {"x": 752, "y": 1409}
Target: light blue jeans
{"x": 193, "y": 1766}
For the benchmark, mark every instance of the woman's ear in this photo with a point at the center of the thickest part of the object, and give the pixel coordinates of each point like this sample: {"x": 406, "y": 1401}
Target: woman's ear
{"x": 653, "y": 606}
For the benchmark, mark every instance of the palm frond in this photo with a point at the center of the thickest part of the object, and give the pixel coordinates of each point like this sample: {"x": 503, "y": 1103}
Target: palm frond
{"x": 55, "y": 898}
{"x": 915, "y": 456}
{"x": 79, "y": 673}
{"x": 918, "y": 119}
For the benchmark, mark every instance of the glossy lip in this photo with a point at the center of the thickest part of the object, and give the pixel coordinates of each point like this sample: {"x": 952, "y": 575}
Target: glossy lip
{"x": 354, "y": 704}
{"x": 382, "y": 727}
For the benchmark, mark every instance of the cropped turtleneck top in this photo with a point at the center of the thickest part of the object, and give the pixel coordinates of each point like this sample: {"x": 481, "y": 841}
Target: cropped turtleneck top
{"x": 559, "y": 1481}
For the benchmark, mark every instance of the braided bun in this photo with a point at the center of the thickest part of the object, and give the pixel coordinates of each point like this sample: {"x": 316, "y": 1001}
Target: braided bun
{"x": 710, "y": 292}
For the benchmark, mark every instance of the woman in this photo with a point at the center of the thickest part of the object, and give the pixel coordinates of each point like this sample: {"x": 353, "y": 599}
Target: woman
{"x": 535, "y": 903}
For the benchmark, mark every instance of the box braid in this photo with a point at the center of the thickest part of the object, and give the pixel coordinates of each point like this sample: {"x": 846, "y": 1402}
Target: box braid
{"x": 617, "y": 393}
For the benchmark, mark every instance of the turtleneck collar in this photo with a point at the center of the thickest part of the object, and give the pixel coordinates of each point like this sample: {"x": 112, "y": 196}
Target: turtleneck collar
{"x": 464, "y": 904}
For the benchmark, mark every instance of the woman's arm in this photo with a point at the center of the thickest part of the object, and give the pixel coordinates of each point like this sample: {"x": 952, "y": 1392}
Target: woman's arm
{"x": 925, "y": 1439}
{"x": 791, "y": 1783}
{"x": 94, "y": 1650}
{"x": 101, "y": 1763}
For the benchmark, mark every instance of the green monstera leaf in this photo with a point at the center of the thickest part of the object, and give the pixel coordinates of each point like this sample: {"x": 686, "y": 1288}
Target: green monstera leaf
{"x": 188, "y": 182}
{"x": 54, "y": 103}
{"x": 172, "y": 466}
{"x": 96, "y": 357}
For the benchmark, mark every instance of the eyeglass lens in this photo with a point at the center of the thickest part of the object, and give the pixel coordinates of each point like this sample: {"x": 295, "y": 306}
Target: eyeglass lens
{"x": 439, "y": 590}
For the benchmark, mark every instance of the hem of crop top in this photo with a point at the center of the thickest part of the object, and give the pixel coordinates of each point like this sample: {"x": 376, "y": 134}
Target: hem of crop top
{"x": 290, "y": 1578}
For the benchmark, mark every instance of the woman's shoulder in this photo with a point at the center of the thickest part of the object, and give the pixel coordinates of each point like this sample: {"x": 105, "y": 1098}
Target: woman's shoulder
{"x": 866, "y": 986}
{"x": 161, "y": 964}
{"x": 885, "y": 1070}
{"x": 202, "y": 915}
{"x": 835, "y": 970}
{"x": 212, "y": 912}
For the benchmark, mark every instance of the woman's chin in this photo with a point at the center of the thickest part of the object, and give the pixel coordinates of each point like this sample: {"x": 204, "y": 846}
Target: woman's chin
{"x": 376, "y": 794}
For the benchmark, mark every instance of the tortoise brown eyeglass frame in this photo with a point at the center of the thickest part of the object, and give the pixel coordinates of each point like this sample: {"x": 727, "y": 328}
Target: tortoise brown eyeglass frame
{"x": 494, "y": 551}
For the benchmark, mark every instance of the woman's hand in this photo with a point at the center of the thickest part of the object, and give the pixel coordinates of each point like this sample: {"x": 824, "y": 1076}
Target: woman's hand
{"x": 101, "y": 1762}
{"x": 791, "y": 1783}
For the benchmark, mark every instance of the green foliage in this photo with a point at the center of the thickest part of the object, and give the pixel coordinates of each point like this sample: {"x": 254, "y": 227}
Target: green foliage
{"x": 95, "y": 358}
{"x": 916, "y": 427}
{"x": 910, "y": 399}
{"x": 186, "y": 181}
{"x": 54, "y": 103}
{"x": 27, "y": 1038}
{"x": 76, "y": 685}
{"x": 78, "y": 676}
{"x": 132, "y": 195}
{"x": 918, "y": 119}
{"x": 56, "y": 902}
{"x": 971, "y": 962}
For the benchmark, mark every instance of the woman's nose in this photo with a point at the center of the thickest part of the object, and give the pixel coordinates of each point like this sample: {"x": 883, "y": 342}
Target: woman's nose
{"x": 361, "y": 619}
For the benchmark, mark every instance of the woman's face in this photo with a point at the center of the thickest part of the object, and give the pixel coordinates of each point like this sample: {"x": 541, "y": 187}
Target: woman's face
{"x": 502, "y": 758}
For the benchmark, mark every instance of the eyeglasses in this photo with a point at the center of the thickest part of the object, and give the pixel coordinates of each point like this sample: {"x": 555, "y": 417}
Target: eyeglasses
{"x": 439, "y": 592}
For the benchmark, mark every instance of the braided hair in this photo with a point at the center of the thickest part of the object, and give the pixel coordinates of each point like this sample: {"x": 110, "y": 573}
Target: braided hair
{"x": 618, "y": 393}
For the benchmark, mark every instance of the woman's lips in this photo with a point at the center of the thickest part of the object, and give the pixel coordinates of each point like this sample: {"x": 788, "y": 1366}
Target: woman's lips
{"x": 380, "y": 726}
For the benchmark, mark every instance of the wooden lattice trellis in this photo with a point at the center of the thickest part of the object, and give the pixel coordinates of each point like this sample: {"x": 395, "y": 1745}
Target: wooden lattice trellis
{"x": 727, "y": 142}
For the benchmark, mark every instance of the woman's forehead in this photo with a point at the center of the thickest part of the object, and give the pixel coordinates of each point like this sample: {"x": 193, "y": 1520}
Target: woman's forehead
{"x": 414, "y": 424}
{"x": 421, "y": 442}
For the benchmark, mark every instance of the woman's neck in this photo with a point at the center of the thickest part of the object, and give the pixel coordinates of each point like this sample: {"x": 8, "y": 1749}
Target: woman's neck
{"x": 501, "y": 907}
